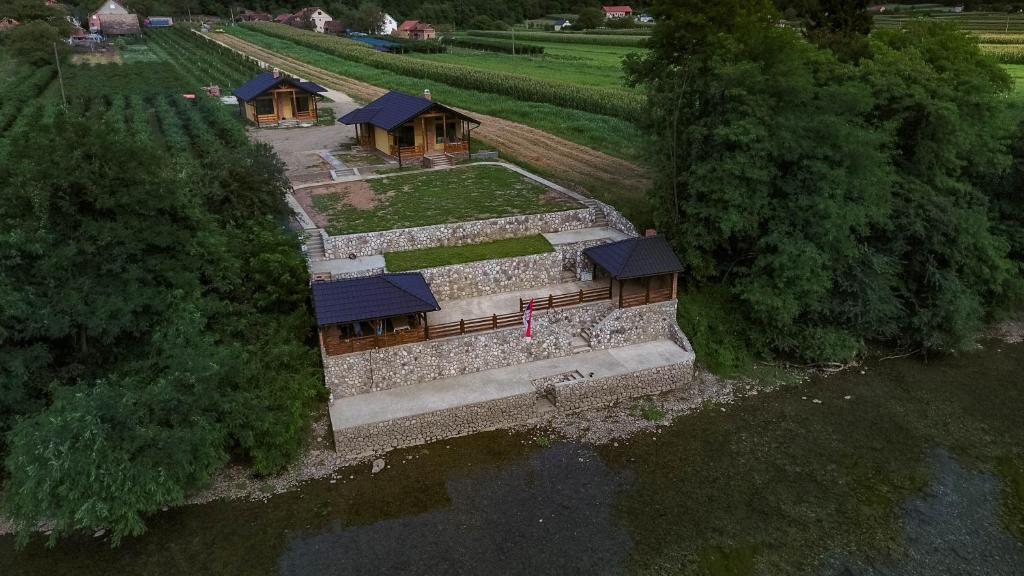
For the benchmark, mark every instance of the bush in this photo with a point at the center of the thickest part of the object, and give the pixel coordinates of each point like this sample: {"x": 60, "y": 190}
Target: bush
{"x": 630, "y": 40}
{"x": 495, "y": 45}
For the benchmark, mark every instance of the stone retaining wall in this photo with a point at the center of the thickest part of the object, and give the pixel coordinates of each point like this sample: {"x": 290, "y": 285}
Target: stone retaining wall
{"x": 593, "y": 392}
{"x": 572, "y": 256}
{"x": 494, "y": 276}
{"x": 634, "y": 325}
{"x": 616, "y": 220}
{"x": 475, "y": 232}
{"x": 380, "y": 437}
{"x": 385, "y": 368}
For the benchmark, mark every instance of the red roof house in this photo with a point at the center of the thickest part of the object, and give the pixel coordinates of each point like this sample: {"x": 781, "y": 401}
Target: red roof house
{"x": 415, "y": 30}
{"x": 617, "y": 11}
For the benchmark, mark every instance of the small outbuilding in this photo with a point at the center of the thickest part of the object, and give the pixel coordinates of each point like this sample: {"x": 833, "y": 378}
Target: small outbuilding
{"x": 113, "y": 19}
{"x": 641, "y": 270}
{"x": 415, "y": 30}
{"x": 409, "y": 128}
{"x": 617, "y": 11}
{"x": 356, "y": 314}
{"x": 272, "y": 97}
{"x": 8, "y": 24}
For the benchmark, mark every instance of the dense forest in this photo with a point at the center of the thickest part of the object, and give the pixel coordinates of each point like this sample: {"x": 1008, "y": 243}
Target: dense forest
{"x": 829, "y": 189}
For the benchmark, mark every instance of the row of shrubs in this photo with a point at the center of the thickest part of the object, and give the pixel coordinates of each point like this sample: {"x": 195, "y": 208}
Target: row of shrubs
{"x": 582, "y": 38}
{"x": 610, "y": 102}
{"x": 409, "y": 45}
{"x": 495, "y": 45}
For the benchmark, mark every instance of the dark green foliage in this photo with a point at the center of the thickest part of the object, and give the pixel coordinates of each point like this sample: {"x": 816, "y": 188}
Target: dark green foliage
{"x": 589, "y": 18}
{"x": 840, "y": 25}
{"x": 838, "y": 203}
{"x": 495, "y": 45}
{"x": 36, "y": 43}
{"x": 153, "y": 311}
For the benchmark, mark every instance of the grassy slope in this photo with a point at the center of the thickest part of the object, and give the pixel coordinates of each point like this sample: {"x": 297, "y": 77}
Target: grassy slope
{"x": 446, "y": 255}
{"x": 610, "y": 135}
{"x": 426, "y": 198}
{"x": 578, "y": 63}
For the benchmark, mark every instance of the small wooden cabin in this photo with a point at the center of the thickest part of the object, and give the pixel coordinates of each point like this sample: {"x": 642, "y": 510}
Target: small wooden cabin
{"x": 640, "y": 271}
{"x": 272, "y": 97}
{"x": 410, "y": 128}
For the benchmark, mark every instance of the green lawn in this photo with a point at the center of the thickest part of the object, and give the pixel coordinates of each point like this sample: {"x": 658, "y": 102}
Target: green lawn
{"x": 587, "y": 64}
{"x": 1016, "y": 71}
{"x": 447, "y": 255}
{"x": 473, "y": 192}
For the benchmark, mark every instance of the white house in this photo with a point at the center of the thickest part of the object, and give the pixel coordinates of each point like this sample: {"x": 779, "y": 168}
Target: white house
{"x": 388, "y": 24}
{"x": 617, "y": 11}
{"x": 317, "y": 18}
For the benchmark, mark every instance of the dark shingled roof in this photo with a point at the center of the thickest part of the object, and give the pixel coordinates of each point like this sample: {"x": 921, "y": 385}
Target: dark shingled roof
{"x": 119, "y": 24}
{"x": 635, "y": 257}
{"x": 394, "y": 109}
{"x": 354, "y": 299}
{"x": 265, "y": 81}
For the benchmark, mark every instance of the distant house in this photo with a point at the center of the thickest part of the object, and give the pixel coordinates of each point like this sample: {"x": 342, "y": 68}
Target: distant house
{"x": 561, "y": 23}
{"x": 251, "y": 16}
{"x": 8, "y": 23}
{"x": 415, "y": 30}
{"x": 406, "y": 127}
{"x": 316, "y": 17}
{"x": 645, "y": 19}
{"x": 272, "y": 97}
{"x": 617, "y": 11}
{"x": 113, "y": 19}
{"x": 282, "y": 18}
{"x": 388, "y": 24}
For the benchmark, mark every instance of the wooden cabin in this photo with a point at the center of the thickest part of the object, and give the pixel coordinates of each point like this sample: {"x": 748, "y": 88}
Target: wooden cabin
{"x": 357, "y": 314}
{"x": 272, "y": 97}
{"x": 410, "y": 128}
{"x": 640, "y": 271}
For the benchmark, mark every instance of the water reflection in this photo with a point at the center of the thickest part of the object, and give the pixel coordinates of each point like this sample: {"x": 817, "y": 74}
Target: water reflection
{"x": 549, "y": 513}
{"x": 954, "y": 527}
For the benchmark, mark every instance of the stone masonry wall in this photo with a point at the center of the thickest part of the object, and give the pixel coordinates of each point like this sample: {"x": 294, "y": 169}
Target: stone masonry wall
{"x": 493, "y": 276}
{"x": 420, "y": 429}
{"x": 386, "y": 368}
{"x": 475, "y": 232}
{"x": 572, "y": 256}
{"x": 616, "y": 220}
{"x": 592, "y": 392}
{"x": 627, "y": 326}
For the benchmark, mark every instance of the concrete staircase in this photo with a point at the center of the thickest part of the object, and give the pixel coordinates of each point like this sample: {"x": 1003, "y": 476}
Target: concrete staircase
{"x": 580, "y": 345}
{"x": 314, "y": 246}
{"x": 437, "y": 160}
{"x": 599, "y": 217}
{"x": 345, "y": 174}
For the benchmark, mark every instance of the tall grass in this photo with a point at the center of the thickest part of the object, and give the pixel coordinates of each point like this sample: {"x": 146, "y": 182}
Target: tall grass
{"x": 582, "y": 38}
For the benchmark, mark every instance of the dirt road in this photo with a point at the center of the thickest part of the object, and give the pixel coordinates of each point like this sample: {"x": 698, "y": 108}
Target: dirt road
{"x": 564, "y": 160}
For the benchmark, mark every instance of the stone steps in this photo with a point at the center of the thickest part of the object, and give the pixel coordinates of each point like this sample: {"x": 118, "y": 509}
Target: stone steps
{"x": 580, "y": 345}
{"x": 314, "y": 246}
{"x": 543, "y": 406}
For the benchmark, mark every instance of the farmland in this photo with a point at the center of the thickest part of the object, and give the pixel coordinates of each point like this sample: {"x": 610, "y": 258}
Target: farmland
{"x": 600, "y": 132}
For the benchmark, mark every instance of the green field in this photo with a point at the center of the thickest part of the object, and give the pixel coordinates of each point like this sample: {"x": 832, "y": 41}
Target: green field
{"x": 463, "y": 194}
{"x": 589, "y": 64}
{"x": 448, "y": 255}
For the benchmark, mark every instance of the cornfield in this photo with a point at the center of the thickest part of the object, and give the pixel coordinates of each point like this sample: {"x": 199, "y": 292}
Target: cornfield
{"x": 1005, "y": 53}
{"x": 610, "y": 102}
{"x": 582, "y": 38}
{"x": 1000, "y": 38}
{"x": 495, "y": 45}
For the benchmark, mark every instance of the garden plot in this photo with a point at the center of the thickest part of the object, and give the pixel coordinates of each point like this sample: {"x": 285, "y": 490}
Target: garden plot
{"x": 462, "y": 194}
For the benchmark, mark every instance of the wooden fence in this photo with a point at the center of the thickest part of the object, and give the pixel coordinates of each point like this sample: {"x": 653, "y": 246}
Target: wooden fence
{"x": 647, "y": 297}
{"x": 463, "y": 326}
{"x": 335, "y": 345}
{"x": 567, "y": 299}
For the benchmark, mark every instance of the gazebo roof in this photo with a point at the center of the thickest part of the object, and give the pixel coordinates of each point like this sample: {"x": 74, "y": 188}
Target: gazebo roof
{"x": 372, "y": 297}
{"x": 636, "y": 257}
{"x": 394, "y": 109}
{"x": 266, "y": 80}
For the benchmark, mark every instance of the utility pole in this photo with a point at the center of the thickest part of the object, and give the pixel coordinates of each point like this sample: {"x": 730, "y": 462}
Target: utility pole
{"x": 513, "y": 43}
{"x": 60, "y": 77}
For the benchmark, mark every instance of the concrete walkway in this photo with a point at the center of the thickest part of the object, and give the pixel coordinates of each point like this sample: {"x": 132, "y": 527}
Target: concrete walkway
{"x": 503, "y": 303}
{"x": 573, "y": 236}
{"x": 345, "y": 266}
{"x": 499, "y": 383}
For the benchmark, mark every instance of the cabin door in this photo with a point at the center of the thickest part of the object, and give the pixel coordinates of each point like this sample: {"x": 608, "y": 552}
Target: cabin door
{"x": 284, "y": 105}
{"x": 428, "y": 136}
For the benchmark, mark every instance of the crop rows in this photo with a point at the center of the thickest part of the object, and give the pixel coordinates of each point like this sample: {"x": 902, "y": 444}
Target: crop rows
{"x": 1005, "y": 53}
{"x": 1001, "y": 39}
{"x": 204, "y": 62}
{"x": 610, "y": 102}
{"x": 644, "y": 31}
{"x": 23, "y": 88}
{"x": 495, "y": 45}
{"x": 603, "y": 39}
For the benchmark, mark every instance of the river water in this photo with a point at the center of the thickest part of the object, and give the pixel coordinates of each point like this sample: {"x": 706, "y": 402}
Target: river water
{"x": 903, "y": 468}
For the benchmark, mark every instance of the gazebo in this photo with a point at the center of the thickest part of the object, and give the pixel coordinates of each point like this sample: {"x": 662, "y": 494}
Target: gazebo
{"x": 641, "y": 270}
{"x": 357, "y": 314}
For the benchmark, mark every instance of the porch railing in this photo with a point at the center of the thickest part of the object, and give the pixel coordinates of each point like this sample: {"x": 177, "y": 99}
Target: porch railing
{"x": 334, "y": 345}
{"x": 454, "y": 147}
{"x": 567, "y": 299}
{"x": 463, "y": 326}
{"x": 407, "y": 150}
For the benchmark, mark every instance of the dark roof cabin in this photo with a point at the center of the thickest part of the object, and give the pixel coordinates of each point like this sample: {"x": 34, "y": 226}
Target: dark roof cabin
{"x": 406, "y": 127}
{"x": 641, "y": 270}
{"x": 272, "y": 97}
{"x": 356, "y": 314}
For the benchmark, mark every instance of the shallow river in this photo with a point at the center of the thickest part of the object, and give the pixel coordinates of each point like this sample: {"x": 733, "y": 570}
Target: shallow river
{"x": 905, "y": 468}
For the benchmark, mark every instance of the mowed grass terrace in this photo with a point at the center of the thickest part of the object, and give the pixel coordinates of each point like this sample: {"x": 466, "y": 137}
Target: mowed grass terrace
{"x": 462, "y": 194}
{"x": 448, "y": 255}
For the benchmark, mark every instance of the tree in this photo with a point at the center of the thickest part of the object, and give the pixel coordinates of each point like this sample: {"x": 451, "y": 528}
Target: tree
{"x": 34, "y": 43}
{"x": 589, "y": 18}
{"x": 841, "y": 26}
{"x": 835, "y": 202}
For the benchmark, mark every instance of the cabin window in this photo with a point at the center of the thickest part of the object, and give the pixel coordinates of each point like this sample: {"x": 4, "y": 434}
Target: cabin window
{"x": 302, "y": 104}
{"x": 264, "y": 106}
{"x": 440, "y": 131}
{"x": 406, "y": 136}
